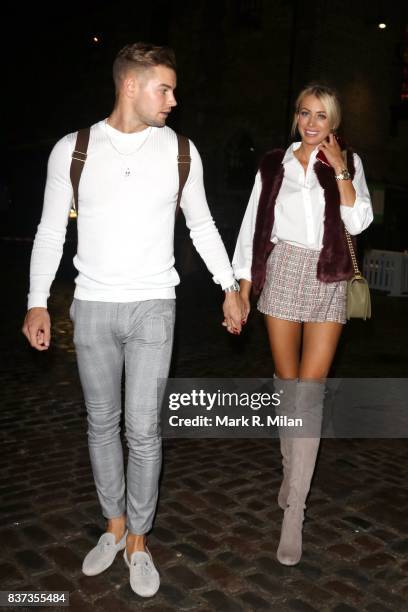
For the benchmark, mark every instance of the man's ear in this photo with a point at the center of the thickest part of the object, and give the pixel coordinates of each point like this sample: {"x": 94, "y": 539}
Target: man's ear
{"x": 130, "y": 85}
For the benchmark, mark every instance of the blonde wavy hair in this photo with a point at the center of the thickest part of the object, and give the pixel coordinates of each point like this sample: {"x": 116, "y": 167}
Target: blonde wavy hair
{"x": 328, "y": 98}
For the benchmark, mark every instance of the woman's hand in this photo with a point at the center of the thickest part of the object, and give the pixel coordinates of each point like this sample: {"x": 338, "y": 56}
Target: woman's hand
{"x": 333, "y": 153}
{"x": 245, "y": 307}
{"x": 335, "y": 158}
{"x": 245, "y": 292}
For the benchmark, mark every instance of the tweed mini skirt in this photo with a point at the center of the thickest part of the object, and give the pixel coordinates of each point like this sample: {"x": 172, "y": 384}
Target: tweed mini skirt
{"x": 293, "y": 292}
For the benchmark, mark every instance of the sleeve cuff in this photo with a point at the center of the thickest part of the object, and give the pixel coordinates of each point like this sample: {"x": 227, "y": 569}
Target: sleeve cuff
{"x": 225, "y": 280}
{"x": 244, "y": 273}
{"x": 358, "y": 217}
{"x": 37, "y": 300}
{"x": 346, "y": 212}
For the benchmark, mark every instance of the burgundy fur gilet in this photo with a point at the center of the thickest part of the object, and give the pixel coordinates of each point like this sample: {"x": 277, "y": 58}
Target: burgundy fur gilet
{"x": 334, "y": 262}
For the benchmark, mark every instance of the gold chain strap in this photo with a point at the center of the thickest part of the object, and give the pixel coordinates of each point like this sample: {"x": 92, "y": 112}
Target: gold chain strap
{"x": 357, "y": 272}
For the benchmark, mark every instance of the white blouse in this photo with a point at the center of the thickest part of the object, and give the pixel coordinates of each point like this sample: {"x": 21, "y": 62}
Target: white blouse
{"x": 299, "y": 210}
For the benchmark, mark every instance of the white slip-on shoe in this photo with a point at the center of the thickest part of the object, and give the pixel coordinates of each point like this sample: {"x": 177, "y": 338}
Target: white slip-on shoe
{"x": 103, "y": 554}
{"x": 144, "y": 577}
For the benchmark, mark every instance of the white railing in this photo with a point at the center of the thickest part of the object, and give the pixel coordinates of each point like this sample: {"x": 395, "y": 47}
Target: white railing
{"x": 387, "y": 270}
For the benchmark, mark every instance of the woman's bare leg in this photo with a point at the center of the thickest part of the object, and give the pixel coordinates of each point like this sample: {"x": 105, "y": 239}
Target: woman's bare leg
{"x": 284, "y": 340}
{"x": 320, "y": 342}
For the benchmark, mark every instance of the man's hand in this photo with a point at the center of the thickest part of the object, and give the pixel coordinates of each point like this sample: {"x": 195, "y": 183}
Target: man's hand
{"x": 232, "y": 312}
{"x": 37, "y": 328}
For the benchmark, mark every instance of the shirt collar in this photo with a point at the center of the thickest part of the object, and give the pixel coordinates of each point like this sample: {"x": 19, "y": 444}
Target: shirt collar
{"x": 289, "y": 156}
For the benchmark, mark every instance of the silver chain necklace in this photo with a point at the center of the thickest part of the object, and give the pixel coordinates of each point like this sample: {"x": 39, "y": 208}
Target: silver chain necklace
{"x": 127, "y": 171}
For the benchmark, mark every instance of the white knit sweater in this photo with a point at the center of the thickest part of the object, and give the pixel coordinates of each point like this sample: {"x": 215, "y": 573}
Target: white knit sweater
{"x": 127, "y": 199}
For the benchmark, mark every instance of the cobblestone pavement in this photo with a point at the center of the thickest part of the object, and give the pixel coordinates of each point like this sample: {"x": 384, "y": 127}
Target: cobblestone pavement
{"x": 218, "y": 521}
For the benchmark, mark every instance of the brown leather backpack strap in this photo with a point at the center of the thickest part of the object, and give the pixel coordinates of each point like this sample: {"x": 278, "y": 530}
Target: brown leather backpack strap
{"x": 184, "y": 161}
{"x": 77, "y": 163}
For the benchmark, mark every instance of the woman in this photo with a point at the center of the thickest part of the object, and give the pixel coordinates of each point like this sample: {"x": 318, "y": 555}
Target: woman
{"x": 292, "y": 249}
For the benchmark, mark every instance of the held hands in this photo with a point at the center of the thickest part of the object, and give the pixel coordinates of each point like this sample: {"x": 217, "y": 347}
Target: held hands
{"x": 333, "y": 153}
{"x": 236, "y": 308}
{"x": 232, "y": 312}
{"x": 37, "y": 328}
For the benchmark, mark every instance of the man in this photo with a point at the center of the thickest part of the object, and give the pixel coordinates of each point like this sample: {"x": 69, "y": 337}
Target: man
{"x": 124, "y": 307}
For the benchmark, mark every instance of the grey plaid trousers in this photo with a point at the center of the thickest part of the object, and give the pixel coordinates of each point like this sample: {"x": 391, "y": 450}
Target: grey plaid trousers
{"x": 138, "y": 336}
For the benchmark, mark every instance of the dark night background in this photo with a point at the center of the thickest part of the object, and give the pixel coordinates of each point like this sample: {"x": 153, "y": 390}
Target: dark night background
{"x": 240, "y": 65}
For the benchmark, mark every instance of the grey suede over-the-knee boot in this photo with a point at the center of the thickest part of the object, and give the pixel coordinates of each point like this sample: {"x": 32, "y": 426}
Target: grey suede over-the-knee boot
{"x": 287, "y": 395}
{"x": 309, "y": 407}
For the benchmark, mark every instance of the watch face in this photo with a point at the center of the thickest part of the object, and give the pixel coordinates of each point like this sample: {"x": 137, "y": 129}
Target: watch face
{"x": 344, "y": 175}
{"x": 233, "y": 287}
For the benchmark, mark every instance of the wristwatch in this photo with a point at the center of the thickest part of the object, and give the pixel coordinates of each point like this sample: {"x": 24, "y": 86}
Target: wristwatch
{"x": 233, "y": 287}
{"x": 344, "y": 175}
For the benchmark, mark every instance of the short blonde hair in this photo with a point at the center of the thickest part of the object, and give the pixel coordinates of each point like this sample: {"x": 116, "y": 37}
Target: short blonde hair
{"x": 328, "y": 98}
